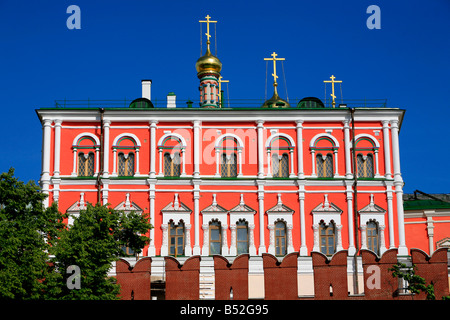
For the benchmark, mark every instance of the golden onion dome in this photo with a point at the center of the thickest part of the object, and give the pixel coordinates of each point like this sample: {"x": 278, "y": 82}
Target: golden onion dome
{"x": 208, "y": 63}
{"x": 276, "y": 101}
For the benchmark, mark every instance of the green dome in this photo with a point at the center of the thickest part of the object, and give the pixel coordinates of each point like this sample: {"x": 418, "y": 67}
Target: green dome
{"x": 310, "y": 102}
{"x": 141, "y": 103}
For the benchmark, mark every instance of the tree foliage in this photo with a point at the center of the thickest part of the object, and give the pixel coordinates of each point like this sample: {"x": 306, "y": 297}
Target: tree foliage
{"x": 416, "y": 284}
{"x": 37, "y": 248}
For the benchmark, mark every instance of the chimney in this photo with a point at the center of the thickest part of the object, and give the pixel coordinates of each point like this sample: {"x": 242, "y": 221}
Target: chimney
{"x": 171, "y": 100}
{"x": 146, "y": 89}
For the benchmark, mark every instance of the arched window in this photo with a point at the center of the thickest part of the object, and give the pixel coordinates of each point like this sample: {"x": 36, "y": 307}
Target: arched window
{"x": 172, "y": 150}
{"x": 280, "y": 165}
{"x": 172, "y": 164}
{"x": 228, "y": 165}
{"x": 242, "y": 236}
{"x": 228, "y": 148}
{"x": 365, "y": 165}
{"x": 280, "y": 238}
{"x": 86, "y": 148}
{"x": 324, "y": 165}
{"x": 327, "y": 238}
{"x": 372, "y": 236}
{"x": 126, "y": 164}
{"x": 86, "y": 164}
{"x": 176, "y": 239}
{"x": 215, "y": 238}
{"x": 126, "y": 155}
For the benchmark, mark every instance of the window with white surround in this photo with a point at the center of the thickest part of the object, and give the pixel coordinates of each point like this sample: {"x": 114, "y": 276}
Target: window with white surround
{"x": 372, "y": 227}
{"x": 327, "y": 227}
{"x": 280, "y": 228}
{"x": 228, "y": 148}
{"x": 324, "y": 155}
{"x": 126, "y": 155}
{"x": 86, "y": 152}
{"x": 366, "y": 149}
{"x": 172, "y": 154}
{"x": 280, "y": 155}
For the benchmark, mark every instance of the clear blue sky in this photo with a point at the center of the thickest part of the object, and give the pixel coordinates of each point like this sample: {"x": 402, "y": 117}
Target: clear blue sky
{"x": 407, "y": 61}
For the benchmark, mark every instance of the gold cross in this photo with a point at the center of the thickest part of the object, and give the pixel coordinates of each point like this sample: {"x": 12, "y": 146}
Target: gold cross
{"x": 275, "y": 59}
{"x": 332, "y": 87}
{"x": 220, "y": 83}
{"x": 207, "y": 27}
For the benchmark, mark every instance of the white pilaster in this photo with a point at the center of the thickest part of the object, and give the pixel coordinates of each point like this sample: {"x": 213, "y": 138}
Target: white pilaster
{"x": 262, "y": 247}
{"x": 152, "y": 173}
{"x": 196, "y": 250}
{"x": 260, "y": 149}
{"x": 106, "y": 126}
{"x": 300, "y": 148}
{"x": 57, "y": 154}
{"x": 348, "y": 164}
{"x": 197, "y": 148}
{"x": 387, "y": 149}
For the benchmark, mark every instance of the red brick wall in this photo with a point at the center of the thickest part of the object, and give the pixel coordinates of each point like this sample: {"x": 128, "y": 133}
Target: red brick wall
{"x": 135, "y": 283}
{"x": 280, "y": 279}
{"x": 330, "y": 272}
{"x": 182, "y": 281}
{"x": 378, "y": 281}
{"x": 432, "y": 269}
{"x": 229, "y": 276}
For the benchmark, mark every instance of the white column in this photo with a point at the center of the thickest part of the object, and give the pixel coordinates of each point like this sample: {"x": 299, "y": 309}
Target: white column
{"x": 291, "y": 158}
{"x": 251, "y": 240}
{"x": 339, "y": 238}
{"x": 271, "y": 228}
{"x": 377, "y": 171}
{"x": 430, "y": 232}
{"x": 106, "y": 126}
{"x": 348, "y": 164}
{"x": 161, "y": 173}
{"x": 262, "y": 247}
{"x": 363, "y": 229}
{"x": 74, "y": 169}
{"x": 46, "y": 150}
{"x": 313, "y": 163}
{"x": 151, "y": 248}
{"x": 290, "y": 246}
{"x": 350, "y": 216}
{"x": 336, "y": 166}
{"x": 217, "y": 163}
{"x": 165, "y": 239}
{"x": 398, "y": 183}
{"x": 301, "y": 198}
{"x": 233, "y": 248}
{"x": 240, "y": 162}
{"x": 57, "y": 155}
{"x": 187, "y": 245}
{"x": 114, "y": 172}
{"x": 137, "y": 162}
{"x": 196, "y": 250}
{"x": 300, "y": 148}
{"x": 387, "y": 149}
{"x": 390, "y": 217}
{"x": 205, "y": 248}
{"x": 316, "y": 246}
{"x": 152, "y": 173}
{"x": 183, "y": 154}
{"x": 269, "y": 165}
{"x": 260, "y": 149}
{"x": 197, "y": 149}
{"x": 224, "y": 240}
{"x": 97, "y": 161}
{"x": 382, "y": 240}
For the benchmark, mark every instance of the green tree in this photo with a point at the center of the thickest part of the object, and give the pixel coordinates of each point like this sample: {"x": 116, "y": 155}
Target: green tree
{"x": 25, "y": 225}
{"x": 416, "y": 284}
{"x": 93, "y": 243}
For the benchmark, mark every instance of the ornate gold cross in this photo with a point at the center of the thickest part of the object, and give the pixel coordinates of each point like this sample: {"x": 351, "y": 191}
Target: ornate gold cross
{"x": 332, "y": 87}
{"x": 275, "y": 59}
{"x": 207, "y": 27}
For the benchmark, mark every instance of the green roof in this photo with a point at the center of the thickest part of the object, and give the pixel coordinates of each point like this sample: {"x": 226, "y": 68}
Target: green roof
{"x": 425, "y": 204}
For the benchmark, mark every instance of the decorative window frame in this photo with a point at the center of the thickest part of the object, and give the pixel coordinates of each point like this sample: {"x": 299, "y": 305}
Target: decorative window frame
{"x": 182, "y": 148}
{"x": 242, "y": 212}
{"x": 176, "y": 211}
{"x": 364, "y": 151}
{"x": 327, "y": 212}
{"x": 76, "y": 147}
{"x": 75, "y": 209}
{"x": 372, "y": 212}
{"x": 217, "y": 213}
{"x": 116, "y": 146}
{"x": 280, "y": 212}
{"x": 334, "y": 149}
{"x": 219, "y": 149}
{"x": 290, "y": 149}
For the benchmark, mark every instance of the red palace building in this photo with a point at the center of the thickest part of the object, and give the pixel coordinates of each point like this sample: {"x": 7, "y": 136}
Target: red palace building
{"x": 277, "y": 178}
